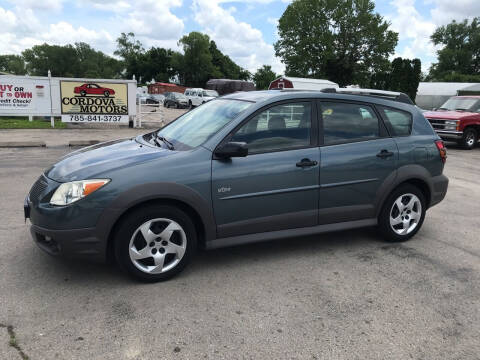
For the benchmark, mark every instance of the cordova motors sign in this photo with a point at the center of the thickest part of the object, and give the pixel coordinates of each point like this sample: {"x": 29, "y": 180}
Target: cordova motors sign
{"x": 93, "y": 101}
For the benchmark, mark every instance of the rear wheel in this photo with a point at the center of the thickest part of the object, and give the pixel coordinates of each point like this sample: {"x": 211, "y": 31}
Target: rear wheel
{"x": 106, "y": 93}
{"x": 469, "y": 139}
{"x": 155, "y": 243}
{"x": 402, "y": 214}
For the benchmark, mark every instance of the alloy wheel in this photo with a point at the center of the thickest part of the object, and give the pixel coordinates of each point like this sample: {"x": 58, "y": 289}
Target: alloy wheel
{"x": 157, "y": 246}
{"x": 470, "y": 140}
{"x": 405, "y": 214}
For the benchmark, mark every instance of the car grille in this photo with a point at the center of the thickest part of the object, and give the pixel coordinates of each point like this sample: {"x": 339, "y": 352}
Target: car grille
{"x": 37, "y": 188}
{"x": 437, "y": 124}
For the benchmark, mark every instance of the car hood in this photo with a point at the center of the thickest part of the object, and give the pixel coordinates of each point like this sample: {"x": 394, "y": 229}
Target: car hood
{"x": 449, "y": 115}
{"x": 95, "y": 161}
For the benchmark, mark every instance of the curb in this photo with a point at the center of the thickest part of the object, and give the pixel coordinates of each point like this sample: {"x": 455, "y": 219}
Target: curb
{"x": 14, "y": 144}
{"x": 83, "y": 142}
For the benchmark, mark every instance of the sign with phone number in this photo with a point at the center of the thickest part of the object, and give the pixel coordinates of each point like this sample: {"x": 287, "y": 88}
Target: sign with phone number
{"x": 80, "y": 118}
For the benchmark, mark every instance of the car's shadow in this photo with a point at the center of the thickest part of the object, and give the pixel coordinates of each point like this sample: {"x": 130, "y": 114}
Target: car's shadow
{"x": 80, "y": 273}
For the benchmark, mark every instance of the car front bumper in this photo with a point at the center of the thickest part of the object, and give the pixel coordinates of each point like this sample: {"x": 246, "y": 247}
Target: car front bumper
{"x": 84, "y": 243}
{"x": 449, "y": 134}
{"x": 75, "y": 243}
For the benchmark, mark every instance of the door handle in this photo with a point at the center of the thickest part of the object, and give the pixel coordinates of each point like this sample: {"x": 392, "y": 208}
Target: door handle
{"x": 306, "y": 163}
{"x": 384, "y": 154}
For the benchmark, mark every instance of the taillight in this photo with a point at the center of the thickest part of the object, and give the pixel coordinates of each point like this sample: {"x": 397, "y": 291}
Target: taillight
{"x": 442, "y": 150}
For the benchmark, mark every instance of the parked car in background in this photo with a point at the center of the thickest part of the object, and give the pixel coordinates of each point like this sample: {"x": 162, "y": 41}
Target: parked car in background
{"x": 141, "y": 98}
{"x": 155, "y": 99}
{"x": 93, "y": 89}
{"x": 175, "y": 100}
{"x": 458, "y": 119}
{"x": 199, "y": 96}
{"x": 247, "y": 167}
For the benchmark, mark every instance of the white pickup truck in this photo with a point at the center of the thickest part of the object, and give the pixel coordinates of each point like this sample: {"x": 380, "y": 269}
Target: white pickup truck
{"x": 199, "y": 96}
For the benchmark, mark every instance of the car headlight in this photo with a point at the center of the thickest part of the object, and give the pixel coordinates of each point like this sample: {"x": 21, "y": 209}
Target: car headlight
{"x": 68, "y": 193}
{"x": 450, "y": 125}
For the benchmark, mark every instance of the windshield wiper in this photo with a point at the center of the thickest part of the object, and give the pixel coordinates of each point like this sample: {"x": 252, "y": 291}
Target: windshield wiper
{"x": 460, "y": 109}
{"x": 442, "y": 108}
{"x": 168, "y": 143}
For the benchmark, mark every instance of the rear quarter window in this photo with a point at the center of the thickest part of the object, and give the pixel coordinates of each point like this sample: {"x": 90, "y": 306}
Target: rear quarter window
{"x": 399, "y": 122}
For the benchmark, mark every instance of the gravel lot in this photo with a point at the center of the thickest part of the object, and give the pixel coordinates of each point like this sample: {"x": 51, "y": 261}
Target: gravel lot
{"x": 344, "y": 295}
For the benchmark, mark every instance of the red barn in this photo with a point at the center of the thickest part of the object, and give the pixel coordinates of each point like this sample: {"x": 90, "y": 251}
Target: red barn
{"x": 287, "y": 82}
{"x": 160, "y": 88}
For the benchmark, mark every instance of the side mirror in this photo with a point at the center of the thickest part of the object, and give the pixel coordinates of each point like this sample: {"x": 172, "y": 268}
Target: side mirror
{"x": 434, "y": 109}
{"x": 232, "y": 149}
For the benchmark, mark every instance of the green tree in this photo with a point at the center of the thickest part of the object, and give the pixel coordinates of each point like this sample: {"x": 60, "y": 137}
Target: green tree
{"x": 80, "y": 60}
{"x": 197, "y": 64}
{"x": 130, "y": 50}
{"x": 342, "y": 40}
{"x": 224, "y": 67}
{"x": 156, "y": 64}
{"x": 60, "y": 60}
{"x": 402, "y": 75}
{"x": 405, "y": 76}
{"x": 95, "y": 64}
{"x": 12, "y": 64}
{"x": 459, "y": 57}
{"x": 263, "y": 77}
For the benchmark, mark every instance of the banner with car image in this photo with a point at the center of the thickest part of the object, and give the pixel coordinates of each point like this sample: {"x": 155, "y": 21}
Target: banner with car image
{"x": 94, "y": 101}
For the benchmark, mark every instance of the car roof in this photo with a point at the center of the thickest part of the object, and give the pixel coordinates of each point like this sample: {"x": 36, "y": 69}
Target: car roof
{"x": 278, "y": 95}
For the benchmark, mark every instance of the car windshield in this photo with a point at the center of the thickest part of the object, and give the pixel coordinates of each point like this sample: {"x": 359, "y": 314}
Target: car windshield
{"x": 211, "y": 93}
{"x": 179, "y": 96}
{"x": 197, "y": 126}
{"x": 458, "y": 103}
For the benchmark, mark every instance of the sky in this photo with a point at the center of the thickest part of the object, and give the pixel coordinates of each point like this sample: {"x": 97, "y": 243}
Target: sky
{"x": 245, "y": 30}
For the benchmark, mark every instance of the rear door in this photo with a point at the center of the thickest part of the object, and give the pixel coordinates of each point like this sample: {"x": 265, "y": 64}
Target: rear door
{"x": 357, "y": 157}
{"x": 276, "y": 186}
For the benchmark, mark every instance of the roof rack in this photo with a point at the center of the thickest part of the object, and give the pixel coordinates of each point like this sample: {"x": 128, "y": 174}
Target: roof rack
{"x": 390, "y": 95}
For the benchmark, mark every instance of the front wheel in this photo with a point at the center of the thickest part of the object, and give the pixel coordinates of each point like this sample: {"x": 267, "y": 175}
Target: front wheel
{"x": 402, "y": 214}
{"x": 155, "y": 243}
{"x": 469, "y": 139}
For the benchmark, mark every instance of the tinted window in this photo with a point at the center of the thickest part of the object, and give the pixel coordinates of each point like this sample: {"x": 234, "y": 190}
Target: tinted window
{"x": 281, "y": 127}
{"x": 348, "y": 122}
{"x": 400, "y": 121}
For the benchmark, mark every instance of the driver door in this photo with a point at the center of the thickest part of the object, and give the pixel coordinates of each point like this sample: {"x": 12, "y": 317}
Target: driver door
{"x": 276, "y": 186}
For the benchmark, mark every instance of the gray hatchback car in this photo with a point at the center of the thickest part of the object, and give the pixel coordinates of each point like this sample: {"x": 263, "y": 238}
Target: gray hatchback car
{"x": 245, "y": 167}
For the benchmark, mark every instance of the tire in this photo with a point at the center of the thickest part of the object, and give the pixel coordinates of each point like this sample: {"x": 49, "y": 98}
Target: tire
{"x": 106, "y": 93}
{"x": 410, "y": 219}
{"x": 83, "y": 93}
{"x": 469, "y": 139}
{"x": 190, "y": 106}
{"x": 162, "y": 256}
{"x": 175, "y": 105}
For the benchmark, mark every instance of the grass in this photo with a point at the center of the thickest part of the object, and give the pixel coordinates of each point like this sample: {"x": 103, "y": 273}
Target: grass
{"x": 13, "y": 339}
{"x": 23, "y": 123}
